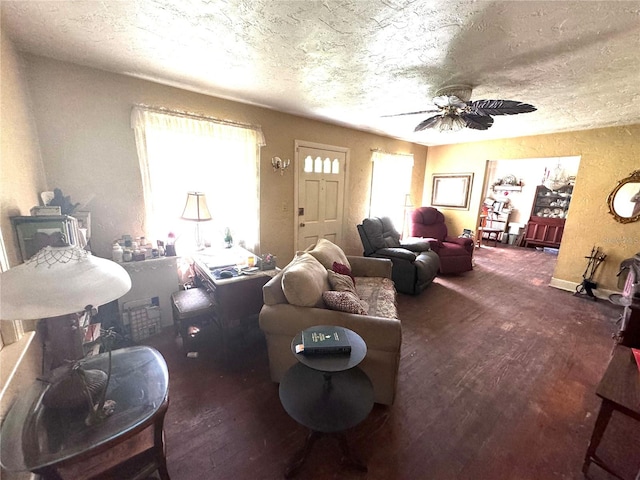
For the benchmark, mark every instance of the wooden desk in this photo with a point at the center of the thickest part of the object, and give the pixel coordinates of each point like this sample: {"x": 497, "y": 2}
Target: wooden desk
{"x": 619, "y": 390}
{"x": 235, "y": 299}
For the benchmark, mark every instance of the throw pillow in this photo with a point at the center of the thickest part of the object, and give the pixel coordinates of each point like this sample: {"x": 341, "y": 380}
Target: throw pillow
{"x": 341, "y": 283}
{"x": 327, "y": 252}
{"x": 343, "y": 269}
{"x": 344, "y": 302}
{"x": 304, "y": 280}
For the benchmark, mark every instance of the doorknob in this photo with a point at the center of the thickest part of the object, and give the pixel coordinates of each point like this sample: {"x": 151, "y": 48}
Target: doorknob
{"x": 302, "y": 224}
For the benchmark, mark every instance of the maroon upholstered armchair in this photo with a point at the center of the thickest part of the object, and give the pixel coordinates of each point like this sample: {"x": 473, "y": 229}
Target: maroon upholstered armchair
{"x": 455, "y": 253}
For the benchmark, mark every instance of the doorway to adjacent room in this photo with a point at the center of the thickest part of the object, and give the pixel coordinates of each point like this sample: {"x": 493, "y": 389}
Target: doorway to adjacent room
{"x": 526, "y": 202}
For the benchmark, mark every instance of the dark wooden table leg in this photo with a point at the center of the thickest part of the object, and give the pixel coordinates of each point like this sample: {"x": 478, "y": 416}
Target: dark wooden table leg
{"x": 348, "y": 458}
{"x": 48, "y": 473}
{"x": 606, "y": 409}
{"x": 300, "y": 457}
{"x": 160, "y": 448}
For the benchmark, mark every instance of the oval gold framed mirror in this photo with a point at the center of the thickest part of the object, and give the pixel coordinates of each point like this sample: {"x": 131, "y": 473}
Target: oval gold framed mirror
{"x": 624, "y": 200}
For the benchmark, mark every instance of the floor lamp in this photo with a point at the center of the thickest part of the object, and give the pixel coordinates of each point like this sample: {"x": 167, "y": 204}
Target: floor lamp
{"x": 60, "y": 285}
{"x": 406, "y": 210}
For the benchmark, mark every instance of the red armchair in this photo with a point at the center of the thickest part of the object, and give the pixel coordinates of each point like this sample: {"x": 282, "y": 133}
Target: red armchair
{"x": 455, "y": 253}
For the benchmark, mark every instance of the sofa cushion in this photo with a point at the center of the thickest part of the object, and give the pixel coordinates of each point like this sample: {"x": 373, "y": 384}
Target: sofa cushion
{"x": 341, "y": 283}
{"x": 304, "y": 280}
{"x": 379, "y": 294}
{"x": 272, "y": 293}
{"x": 327, "y": 252}
{"x": 344, "y": 302}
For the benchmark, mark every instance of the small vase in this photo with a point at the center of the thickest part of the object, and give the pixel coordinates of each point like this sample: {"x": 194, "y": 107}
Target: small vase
{"x": 228, "y": 238}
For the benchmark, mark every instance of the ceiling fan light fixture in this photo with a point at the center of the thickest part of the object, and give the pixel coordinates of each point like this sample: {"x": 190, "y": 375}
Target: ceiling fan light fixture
{"x": 450, "y": 123}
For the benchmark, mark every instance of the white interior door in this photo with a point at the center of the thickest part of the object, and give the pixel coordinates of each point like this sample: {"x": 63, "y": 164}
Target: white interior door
{"x": 321, "y": 171}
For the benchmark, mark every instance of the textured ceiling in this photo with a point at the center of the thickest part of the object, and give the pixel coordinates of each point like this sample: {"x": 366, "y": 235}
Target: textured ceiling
{"x": 352, "y": 61}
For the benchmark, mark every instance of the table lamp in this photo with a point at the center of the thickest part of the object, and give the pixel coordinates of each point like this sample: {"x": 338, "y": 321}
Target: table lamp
{"x": 55, "y": 285}
{"x": 196, "y": 210}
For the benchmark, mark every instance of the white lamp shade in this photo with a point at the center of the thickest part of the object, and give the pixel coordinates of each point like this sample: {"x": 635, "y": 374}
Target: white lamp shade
{"x": 58, "y": 281}
{"x": 196, "y": 208}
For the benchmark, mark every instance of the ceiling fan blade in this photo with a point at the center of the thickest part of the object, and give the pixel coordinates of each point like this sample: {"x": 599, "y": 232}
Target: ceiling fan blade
{"x": 499, "y": 107}
{"x": 477, "y": 122}
{"x": 412, "y": 113}
{"x": 428, "y": 123}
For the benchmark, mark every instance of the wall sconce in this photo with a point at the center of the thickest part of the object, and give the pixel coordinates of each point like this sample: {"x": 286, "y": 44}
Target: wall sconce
{"x": 279, "y": 164}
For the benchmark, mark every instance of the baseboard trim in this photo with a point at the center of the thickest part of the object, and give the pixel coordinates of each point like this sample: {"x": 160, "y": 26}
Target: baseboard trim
{"x": 568, "y": 286}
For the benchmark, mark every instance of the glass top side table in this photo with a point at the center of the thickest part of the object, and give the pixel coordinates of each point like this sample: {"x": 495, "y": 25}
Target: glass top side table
{"x": 39, "y": 439}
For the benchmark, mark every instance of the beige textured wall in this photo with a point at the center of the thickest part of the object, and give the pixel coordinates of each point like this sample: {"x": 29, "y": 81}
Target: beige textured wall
{"x": 607, "y": 155}
{"x": 89, "y": 151}
{"x": 21, "y": 179}
{"x": 21, "y": 170}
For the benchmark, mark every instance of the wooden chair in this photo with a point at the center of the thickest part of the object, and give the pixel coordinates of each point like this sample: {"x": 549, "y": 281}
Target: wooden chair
{"x": 487, "y": 226}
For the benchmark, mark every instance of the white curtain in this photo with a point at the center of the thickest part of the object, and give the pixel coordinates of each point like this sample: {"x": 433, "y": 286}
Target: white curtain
{"x": 390, "y": 184}
{"x": 179, "y": 153}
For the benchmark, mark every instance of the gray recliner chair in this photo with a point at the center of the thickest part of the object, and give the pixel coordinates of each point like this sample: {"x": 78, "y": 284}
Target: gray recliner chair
{"x": 415, "y": 265}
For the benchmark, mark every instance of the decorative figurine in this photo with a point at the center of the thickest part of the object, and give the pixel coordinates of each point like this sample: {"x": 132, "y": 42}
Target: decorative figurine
{"x": 59, "y": 200}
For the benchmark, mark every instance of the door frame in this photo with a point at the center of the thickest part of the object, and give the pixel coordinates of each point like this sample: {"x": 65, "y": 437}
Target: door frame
{"x": 296, "y": 182}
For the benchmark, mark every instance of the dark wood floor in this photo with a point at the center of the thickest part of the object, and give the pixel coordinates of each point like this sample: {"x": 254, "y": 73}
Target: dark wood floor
{"x": 496, "y": 381}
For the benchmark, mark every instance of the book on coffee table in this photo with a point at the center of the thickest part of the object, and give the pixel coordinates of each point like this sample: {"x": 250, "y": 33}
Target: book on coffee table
{"x": 325, "y": 340}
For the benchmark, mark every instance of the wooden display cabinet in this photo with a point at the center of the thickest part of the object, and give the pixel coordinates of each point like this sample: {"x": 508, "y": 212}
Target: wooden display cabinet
{"x": 546, "y": 223}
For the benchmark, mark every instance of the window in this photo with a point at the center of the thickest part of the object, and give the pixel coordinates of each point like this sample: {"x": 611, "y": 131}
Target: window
{"x": 180, "y": 153}
{"x": 390, "y": 184}
{"x": 321, "y": 166}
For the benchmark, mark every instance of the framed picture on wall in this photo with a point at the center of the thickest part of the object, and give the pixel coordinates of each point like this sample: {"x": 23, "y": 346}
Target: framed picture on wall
{"x": 451, "y": 190}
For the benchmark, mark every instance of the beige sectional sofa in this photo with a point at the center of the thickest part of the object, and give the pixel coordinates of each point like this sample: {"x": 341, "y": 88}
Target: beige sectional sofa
{"x": 291, "y": 304}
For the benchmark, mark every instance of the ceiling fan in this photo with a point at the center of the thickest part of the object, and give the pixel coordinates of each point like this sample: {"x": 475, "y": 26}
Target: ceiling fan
{"x": 455, "y": 111}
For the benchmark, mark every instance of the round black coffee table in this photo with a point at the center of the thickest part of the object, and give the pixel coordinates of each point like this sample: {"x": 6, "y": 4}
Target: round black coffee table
{"x": 327, "y": 394}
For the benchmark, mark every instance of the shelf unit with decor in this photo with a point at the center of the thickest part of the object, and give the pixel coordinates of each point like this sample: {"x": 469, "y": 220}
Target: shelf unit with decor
{"x": 36, "y": 232}
{"x": 548, "y": 216}
{"x": 507, "y": 188}
{"x": 507, "y": 184}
